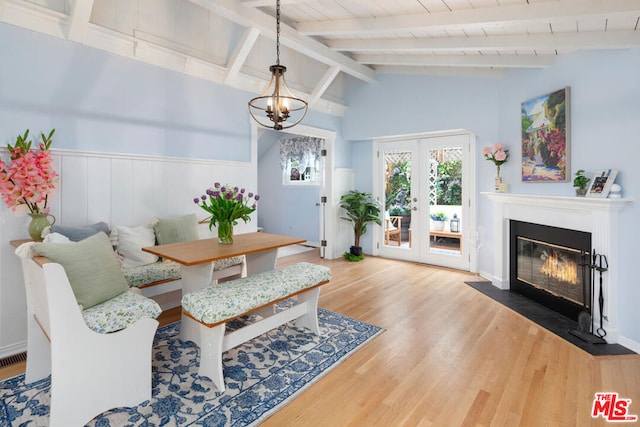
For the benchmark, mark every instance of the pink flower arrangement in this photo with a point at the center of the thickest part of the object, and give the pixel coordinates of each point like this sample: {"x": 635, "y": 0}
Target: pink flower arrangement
{"x": 496, "y": 153}
{"x": 30, "y": 177}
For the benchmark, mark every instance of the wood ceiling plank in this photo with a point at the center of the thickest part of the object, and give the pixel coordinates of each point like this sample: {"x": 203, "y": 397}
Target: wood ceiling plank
{"x": 570, "y": 10}
{"x": 434, "y": 6}
{"x": 622, "y": 23}
{"x": 455, "y": 5}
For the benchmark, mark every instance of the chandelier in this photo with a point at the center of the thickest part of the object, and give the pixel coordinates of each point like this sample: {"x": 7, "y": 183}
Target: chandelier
{"x": 277, "y": 103}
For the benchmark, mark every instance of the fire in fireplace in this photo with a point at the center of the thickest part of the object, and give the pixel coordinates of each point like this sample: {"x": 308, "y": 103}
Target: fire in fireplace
{"x": 551, "y": 266}
{"x": 558, "y": 267}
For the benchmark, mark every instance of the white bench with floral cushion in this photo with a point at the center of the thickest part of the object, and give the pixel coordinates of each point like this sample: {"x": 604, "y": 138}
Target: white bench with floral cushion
{"x": 86, "y": 328}
{"x": 208, "y": 310}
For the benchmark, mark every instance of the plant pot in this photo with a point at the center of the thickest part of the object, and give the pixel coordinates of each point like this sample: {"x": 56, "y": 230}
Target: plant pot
{"x": 355, "y": 250}
{"x": 437, "y": 225}
{"x": 581, "y": 192}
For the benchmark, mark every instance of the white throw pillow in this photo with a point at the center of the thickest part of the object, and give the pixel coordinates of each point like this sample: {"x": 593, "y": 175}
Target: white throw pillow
{"x": 56, "y": 238}
{"x": 129, "y": 242}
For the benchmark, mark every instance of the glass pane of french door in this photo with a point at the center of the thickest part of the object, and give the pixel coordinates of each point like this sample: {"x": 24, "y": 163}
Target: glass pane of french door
{"x": 444, "y": 172}
{"x": 397, "y": 160}
{"x": 444, "y": 168}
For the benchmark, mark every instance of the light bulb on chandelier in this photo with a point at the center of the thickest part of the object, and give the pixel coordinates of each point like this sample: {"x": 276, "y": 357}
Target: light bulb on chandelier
{"x": 277, "y": 103}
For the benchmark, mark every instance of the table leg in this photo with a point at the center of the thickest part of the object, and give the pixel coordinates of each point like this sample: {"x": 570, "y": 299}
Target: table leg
{"x": 259, "y": 262}
{"x": 194, "y": 278}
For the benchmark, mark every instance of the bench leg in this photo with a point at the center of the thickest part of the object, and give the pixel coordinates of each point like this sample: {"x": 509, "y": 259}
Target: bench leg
{"x": 310, "y": 319}
{"x": 38, "y": 353}
{"x": 211, "y": 340}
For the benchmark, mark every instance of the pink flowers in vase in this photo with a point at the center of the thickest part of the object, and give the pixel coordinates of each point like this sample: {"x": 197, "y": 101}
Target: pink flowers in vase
{"x": 496, "y": 153}
{"x": 30, "y": 176}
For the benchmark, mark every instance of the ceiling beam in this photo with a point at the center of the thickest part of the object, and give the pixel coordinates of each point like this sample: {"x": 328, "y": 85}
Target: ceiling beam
{"x": 562, "y": 41}
{"x": 521, "y": 14}
{"x": 79, "y": 20}
{"x": 323, "y": 85}
{"x": 498, "y": 61}
{"x": 442, "y": 71}
{"x": 241, "y": 53}
{"x": 248, "y": 17}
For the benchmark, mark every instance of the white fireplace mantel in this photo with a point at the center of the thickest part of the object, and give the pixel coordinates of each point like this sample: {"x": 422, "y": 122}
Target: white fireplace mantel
{"x": 598, "y": 216}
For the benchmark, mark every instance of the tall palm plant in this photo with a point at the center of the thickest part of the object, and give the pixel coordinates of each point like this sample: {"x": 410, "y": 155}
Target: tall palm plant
{"x": 361, "y": 209}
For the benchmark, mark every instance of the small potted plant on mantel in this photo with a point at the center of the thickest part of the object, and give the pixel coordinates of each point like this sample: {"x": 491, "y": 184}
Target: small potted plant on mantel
{"x": 580, "y": 182}
{"x": 437, "y": 221}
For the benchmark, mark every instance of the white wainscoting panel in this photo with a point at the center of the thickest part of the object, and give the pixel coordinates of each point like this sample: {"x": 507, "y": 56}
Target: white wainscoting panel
{"x": 119, "y": 190}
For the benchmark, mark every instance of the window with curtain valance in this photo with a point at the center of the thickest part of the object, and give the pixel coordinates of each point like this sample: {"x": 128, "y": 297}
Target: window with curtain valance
{"x": 300, "y": 159}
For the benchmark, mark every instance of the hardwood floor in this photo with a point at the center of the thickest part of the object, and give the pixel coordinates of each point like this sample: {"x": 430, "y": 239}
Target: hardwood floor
{"x": 450, "y": 356}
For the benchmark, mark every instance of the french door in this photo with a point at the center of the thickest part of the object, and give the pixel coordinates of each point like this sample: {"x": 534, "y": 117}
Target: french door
{"x": 420, "y": 181}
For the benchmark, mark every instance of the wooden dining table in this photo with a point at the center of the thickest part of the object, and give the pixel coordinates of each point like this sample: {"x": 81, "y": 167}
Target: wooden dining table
{"x": 196, "y": 256}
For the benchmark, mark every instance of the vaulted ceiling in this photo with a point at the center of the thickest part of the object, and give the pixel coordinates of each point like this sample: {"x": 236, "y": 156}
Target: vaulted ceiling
{"x": 232, "y": 41}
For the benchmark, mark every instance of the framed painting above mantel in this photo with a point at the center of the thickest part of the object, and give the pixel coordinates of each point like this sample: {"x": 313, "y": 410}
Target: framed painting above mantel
{"x": 545, "y": 137}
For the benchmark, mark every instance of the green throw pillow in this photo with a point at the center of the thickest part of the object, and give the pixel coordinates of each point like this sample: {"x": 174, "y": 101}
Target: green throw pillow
{"x": 91, "y": 266}
{"x": 176, "y": 229}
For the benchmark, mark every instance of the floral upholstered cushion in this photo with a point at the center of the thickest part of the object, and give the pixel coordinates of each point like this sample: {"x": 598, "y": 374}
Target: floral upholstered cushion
{"x": 154, "y": 272}
{"x": 120, "y": 312}
{"x": 227, "y": 262}
{"x": 229, "y": 299}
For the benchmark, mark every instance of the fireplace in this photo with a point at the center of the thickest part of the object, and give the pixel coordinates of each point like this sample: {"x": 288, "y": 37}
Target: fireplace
{"x": 550, "y": 265}
{"x": 597, "y": 216}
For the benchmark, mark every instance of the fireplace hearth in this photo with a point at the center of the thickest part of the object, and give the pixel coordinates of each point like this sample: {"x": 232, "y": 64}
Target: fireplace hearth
{"x": 550, "y": 265}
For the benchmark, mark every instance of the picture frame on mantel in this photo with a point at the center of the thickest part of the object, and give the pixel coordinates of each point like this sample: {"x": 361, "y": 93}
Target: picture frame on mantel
{"x": 546, "y": 137}
{"x": 601, "y": 183}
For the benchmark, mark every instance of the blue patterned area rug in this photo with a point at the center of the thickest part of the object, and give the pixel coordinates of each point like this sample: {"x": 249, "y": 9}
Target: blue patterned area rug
{"x": 261, "y": 376}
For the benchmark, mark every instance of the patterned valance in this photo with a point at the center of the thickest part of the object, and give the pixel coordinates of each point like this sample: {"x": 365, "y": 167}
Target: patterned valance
{"x": 304, "y": 148}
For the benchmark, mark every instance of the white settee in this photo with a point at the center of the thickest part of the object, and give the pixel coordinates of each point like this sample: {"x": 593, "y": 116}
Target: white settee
{"x": 156, "y": 278}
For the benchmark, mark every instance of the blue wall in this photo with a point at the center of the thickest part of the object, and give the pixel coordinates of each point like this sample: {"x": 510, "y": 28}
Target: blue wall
{"x": 604, "y": 134}
{"x": 106, "y": 103}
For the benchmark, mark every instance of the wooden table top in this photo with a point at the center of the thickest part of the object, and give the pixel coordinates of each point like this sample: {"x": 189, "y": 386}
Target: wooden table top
{"x": 443, "y": 233}
{"x": 206, "y": 250}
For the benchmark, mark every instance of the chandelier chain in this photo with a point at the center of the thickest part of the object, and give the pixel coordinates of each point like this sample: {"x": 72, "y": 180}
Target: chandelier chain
{"x": 278, "y": 32}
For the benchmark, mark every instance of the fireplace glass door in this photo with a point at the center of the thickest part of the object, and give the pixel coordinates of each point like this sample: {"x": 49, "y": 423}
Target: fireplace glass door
{"x": 551, "y": 266}
{"x": 555, "y": 269}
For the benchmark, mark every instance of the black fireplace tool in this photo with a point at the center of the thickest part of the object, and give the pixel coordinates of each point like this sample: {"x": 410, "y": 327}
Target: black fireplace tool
{"x": 585, "y": 320}
{"x": 601, "y": 264}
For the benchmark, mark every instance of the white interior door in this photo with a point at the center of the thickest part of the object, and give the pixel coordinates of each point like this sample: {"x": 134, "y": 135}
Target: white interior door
{"x": 434, "y": 172}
